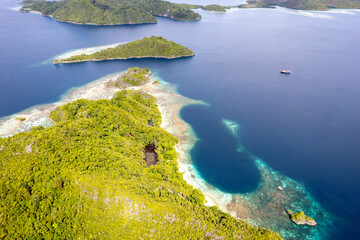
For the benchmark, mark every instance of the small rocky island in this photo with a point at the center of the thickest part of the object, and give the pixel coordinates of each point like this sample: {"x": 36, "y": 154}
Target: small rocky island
{"x": 300, "y": 218}
{"x": 148, "y": 47}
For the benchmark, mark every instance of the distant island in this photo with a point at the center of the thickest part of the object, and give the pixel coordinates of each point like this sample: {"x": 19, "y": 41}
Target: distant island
{"x": 256, "y": 4}
{"x": 106, "y": 170}
{"x": 148, "y": 47}
{"x": 300, "y": 218}
{"x": 214, "y": 8}
{"x": 110, "y": 12}
{"x": 303, "y": 4}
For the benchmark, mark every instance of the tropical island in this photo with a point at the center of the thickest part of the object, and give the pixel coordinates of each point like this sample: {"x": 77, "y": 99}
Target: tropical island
{"x": 90, "y": 176}
{"x": 214, "y": 8}
{"x": 256, "y": 4}
{"x": 110, "y": 12}
{"x": 148, "y": 47}
{"x": 303, "y": 4}
{"x": 300, "y": 218}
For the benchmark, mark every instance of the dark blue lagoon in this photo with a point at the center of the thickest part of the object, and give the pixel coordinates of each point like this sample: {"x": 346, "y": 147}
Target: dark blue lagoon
{"x": 261, "y": 128}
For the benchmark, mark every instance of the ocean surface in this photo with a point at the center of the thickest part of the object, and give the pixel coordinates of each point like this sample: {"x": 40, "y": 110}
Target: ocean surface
{"x": 305, "y": 126}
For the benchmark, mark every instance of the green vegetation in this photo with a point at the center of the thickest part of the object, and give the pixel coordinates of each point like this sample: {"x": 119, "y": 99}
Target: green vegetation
{"x": 20, "y": 119}
{"x": 189, "y": 6}
{"x": 300, "y": 218}
{"x": 85, "y": 177}
{"x": 111, "y": 12}
{"x": 31, "y": 1}
{"x": 256, "y": 4}
{"x": 175, "y": 11}
{"x": 305, "y": 4}
{"x": 132, "y": 77}
{"x": 155, "y": 47}
{"x": 214, "y": 8}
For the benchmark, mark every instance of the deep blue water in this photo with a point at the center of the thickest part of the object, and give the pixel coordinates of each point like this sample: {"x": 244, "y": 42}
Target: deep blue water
{"x": 305, "y": 125}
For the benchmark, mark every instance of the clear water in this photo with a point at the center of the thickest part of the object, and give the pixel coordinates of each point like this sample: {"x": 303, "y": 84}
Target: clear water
{"x": 304, "y": 126}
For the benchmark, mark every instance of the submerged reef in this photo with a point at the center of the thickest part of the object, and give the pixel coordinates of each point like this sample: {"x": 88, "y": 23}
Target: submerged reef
{"x": 266, "y": 205}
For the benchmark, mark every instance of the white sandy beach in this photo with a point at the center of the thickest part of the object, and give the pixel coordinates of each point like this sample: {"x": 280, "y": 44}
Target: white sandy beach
{"x": 86, "y": 51}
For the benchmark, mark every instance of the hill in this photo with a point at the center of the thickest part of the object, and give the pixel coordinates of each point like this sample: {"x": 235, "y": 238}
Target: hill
{"x": 155, "y": 47}
{"x": 105, "y": 170}
{"x": 111, "y": 12}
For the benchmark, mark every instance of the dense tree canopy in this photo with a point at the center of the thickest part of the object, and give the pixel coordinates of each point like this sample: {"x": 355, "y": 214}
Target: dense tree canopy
{"x": 85, "y": 177}
{"x": 109, "y": 12}
{"x": 157, "y": 47}
{"x": 214, "y": 8}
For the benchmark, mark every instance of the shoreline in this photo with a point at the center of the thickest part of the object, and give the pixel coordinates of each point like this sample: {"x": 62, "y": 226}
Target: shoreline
{"x": 96, "y": 24}
{"x": 109, "y": 59}
{"x": 175, "y": 19}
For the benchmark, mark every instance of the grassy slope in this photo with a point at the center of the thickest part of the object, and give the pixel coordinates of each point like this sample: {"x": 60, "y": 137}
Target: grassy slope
{"x": 85, "y": 178}
{"x": 146, "y": 47}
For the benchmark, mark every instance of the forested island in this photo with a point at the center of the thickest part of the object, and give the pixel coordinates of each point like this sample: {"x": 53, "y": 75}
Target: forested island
{"x": 303, "y": 4}
{"x": 88, "y": 176}
{"x": 214, "y": 8}
{"x": 111, "y": 12}
{"x": 148, "y": 47}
